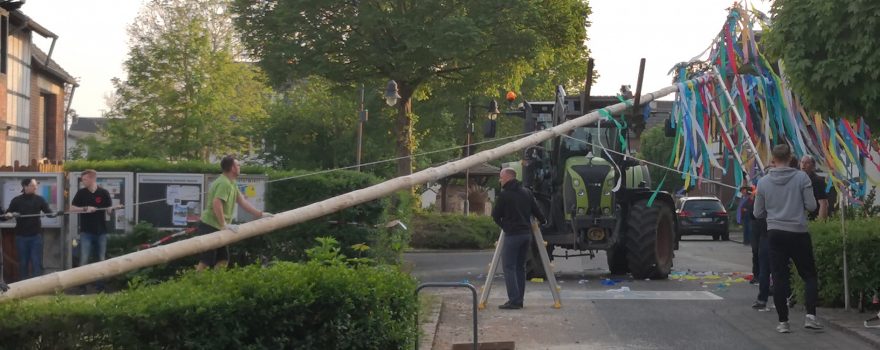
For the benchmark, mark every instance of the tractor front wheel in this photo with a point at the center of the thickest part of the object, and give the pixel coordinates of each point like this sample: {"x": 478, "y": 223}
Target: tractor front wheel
{"x": 650, "y": 239}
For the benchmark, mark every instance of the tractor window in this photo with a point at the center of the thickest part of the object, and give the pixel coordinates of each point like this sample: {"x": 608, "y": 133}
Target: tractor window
{"x": 593, "y": 137}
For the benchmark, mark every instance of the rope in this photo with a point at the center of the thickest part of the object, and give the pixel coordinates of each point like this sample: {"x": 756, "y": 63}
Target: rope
{"x": 59, "y": 213}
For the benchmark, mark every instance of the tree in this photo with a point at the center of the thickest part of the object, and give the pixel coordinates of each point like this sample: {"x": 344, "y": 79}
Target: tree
{"x": 656, "y": 148}
{"x": 831, "y": 54}
{"x": 184, "y": 96}
{"x": 310, "y": 126}
{"x": 414, "y": 43}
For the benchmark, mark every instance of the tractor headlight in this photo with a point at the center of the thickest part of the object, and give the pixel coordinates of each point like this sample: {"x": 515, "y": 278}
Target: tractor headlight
{"x": 575, "y": 183}
{"x": 596, "y": 234}
{"x": 581, "y": 211}
{"x": 581, "y": 193}
{"x": 606, "y": 211}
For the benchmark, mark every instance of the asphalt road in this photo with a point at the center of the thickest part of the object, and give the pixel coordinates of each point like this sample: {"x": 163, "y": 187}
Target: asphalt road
{"x": 698, "y": 310}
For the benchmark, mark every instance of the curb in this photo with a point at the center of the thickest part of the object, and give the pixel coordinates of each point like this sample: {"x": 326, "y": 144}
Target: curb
{"x": 430, "y": 328}
{"x": 867, "y": 337}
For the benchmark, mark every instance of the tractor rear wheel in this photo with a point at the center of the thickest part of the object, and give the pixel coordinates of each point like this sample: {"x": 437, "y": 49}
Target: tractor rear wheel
{"x": 650, "y": 239}
{"x": 617, "y": 259}
{"x": 534, "y": 267}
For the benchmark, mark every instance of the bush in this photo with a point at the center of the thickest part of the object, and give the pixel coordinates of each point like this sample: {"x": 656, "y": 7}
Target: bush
{"x": 453, "y": 231}
{"x": 144, "y": 233}
{"x": 361, "y": 224}
{"x": 863, "y": 259}
{"x": 286, "y": 306}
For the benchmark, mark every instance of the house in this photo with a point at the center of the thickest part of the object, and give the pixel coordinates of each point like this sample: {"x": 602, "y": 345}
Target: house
{"x": 82, "y": 128}
{"x": 38, "y": 92}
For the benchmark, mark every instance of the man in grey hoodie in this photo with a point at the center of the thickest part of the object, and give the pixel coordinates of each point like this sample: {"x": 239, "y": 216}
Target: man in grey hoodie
{"x": 784, "y": 197}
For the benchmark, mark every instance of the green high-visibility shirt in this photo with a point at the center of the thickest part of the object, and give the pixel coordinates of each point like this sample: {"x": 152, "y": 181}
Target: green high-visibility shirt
{"x": 227, "y": 191}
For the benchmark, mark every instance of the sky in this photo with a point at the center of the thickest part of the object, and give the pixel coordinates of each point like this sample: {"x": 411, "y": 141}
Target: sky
{"x": 662, "y": 32}
{"x": 93, "y": 47}
{"x": 92, "y": 43}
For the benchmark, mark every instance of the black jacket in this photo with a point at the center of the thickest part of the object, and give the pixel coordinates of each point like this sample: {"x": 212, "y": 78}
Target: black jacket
{"x": 514, "y": 209}
{"x": 28, "y": 204}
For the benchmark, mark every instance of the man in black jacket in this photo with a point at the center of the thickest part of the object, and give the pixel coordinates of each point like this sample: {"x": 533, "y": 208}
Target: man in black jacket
{"x": 513, "y": 212}
{"x": 28, "y": 229}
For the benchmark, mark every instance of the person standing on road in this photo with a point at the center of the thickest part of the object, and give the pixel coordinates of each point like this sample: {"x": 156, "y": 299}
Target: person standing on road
{"x": 745, "y": 215}
{"x": 761, "y": 252}
{"x": 513, "y": 212}
{"x": 223, "y": 194}
{"x": 784, "y": 196}
{"x": 808, "y": 165}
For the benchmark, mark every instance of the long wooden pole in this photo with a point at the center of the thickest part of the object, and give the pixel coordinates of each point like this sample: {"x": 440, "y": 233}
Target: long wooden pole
{"x": 61, "y": 280}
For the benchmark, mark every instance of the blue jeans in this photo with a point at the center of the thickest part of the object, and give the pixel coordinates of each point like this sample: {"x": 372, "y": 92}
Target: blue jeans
{"x": 513, "y": 261}
{"x": 747, "y": 229}
{"x": 30, "y": 252}
{"x": 89, "y": 242}
{"x": 763, "y": 269}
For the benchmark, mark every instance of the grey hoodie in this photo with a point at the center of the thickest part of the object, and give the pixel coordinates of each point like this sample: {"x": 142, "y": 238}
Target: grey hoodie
{"x": 784, "y": 197}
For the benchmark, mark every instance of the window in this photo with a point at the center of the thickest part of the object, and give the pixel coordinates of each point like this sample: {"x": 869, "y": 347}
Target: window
{"x": 703, "y": 205}
{"x": 48, "y": 112}
{"x": 4, "y": 32}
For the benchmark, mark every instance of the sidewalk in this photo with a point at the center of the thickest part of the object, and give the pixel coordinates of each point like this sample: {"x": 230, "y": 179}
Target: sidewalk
{"x": 851, "y": 322}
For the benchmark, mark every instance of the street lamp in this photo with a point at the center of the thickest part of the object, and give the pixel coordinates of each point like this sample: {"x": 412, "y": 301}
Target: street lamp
{"x": 490, "y": 125}
{"x": 493, "y": 111}
{"x": 391, "y": 95}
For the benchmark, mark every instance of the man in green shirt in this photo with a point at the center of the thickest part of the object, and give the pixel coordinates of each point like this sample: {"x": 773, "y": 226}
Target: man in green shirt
{"x": 223, "y": 194}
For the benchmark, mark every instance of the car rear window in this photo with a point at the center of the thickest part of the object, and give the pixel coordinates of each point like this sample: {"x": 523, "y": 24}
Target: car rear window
{"x": 703, "y": 205}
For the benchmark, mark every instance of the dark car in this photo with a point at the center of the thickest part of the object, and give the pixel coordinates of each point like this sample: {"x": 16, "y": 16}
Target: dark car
{"x": 703, "y": 216}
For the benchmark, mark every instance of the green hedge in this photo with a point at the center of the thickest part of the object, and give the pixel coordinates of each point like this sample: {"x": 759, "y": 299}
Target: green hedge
{"x": 146, "y": 165}
{"x": 286, "y": 306}
{"x": 453, "y": 231}
{"x": 863, "y": 259}
{"x": 349, "y": 226}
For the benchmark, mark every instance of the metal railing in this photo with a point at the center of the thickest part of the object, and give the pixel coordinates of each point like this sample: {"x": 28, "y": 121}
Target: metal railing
{"x": 450, "y": 285}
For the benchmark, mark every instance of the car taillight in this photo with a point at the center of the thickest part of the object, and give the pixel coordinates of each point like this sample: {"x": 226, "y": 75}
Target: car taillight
{"x": 684, "y": 213}
{"x": 721, "y": 213}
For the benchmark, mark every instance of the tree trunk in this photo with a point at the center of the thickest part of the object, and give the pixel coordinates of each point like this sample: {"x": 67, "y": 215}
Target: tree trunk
{"x": 61, "y": 280}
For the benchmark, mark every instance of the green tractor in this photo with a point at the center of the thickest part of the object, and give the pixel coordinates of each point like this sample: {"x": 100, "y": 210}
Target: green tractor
{"x": 594, "y": 197}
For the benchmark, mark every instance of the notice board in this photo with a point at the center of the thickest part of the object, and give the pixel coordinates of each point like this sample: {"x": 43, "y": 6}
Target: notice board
{"x": 50, "y": 187}
{"x": 252, "y": 187}
{"x": 169, "y": 201}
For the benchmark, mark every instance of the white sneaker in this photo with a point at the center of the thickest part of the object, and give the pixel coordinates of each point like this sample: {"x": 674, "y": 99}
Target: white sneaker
{"x": 810, "y": 322}
{"x": 783, "y": 327}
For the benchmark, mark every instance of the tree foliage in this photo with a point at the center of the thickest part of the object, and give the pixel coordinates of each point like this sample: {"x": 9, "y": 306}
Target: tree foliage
{"x": 830, "y": 53}
{"x": 422, "y": 45}
{"x": 185, "y": 96}
{"x": 310, "y": 126}
{"x": 656, "y": 148}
